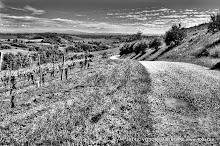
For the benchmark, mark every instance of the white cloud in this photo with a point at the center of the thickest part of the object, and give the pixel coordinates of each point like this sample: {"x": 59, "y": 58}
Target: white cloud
{"x": 19, "y": 17}
{"x": 189, "y": 10}
{"x": 62, "y": 20}
{"x": 18, "y": 9}
{"x": 110, "y": 14}
{"x": 66, "y": 20}
{"x": 34, "y": 11}
{"x": 79, "y": 15}
{"x": 174, "y": 16}
{"x": 202, "y": 16}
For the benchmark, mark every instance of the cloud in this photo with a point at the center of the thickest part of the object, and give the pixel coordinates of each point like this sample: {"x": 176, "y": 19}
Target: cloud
{"x": 1, "y": 5}
{"x": 18, "y": 9}
{"x": 174, "y": 16}
{"x": 68, "y": 21}
{"x": 18, "y": 19}
{"x": 79, "y": 15}
{"x": 5, "y": 16}
{"x": 62, "y": 20}
{"x": 34, "y": 11}
{"x": 110, "y": 14}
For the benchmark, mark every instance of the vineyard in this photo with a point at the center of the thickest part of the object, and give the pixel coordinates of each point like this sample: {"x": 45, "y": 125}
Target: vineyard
{"x": 37, "y": 74}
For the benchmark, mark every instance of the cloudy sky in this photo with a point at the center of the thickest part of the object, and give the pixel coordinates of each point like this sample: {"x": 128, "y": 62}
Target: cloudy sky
{"x": 102, "y": 16}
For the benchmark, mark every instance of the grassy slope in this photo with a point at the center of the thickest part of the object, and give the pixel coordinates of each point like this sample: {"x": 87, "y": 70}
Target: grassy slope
{"x": 106, "y": 104}
{"x": 196, "y": 40}
{"x": 185, "y": 102}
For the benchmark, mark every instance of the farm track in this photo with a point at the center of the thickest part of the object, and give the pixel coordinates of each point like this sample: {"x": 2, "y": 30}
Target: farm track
{"x": 184, "y": 100}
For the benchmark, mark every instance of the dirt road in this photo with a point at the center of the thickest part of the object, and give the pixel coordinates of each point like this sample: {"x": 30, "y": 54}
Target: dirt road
{"x": 185, "y": 101}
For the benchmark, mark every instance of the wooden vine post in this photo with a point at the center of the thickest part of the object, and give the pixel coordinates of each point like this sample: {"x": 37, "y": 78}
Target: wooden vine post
{"x": 39, "y": 61}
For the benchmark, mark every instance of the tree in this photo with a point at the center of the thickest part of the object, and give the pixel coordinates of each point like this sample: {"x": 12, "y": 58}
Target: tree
{"x": 134, "y": 37}
{"x": 85, "y": 47}
{"x": 174, "y": 36}
{"x": 155, "y": 43}
{"x": 214, "y": 24}
{"x": 140, "y": 46}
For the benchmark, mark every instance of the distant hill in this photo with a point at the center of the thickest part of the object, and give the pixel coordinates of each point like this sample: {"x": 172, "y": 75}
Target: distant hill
{"x": 52, "y": 38}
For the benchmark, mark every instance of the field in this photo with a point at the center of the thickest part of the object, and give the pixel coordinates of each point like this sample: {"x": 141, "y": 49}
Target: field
{"x": 163, "y": 99}
{"x": 91, "y": 107}
{"x": 15, "y": 51}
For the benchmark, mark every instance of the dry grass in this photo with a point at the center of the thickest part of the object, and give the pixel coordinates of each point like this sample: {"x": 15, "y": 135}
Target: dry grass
{"x": 105, "y": 105}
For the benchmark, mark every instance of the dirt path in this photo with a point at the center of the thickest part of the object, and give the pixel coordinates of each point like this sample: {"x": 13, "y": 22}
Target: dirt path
{"x": 185, "y": 100}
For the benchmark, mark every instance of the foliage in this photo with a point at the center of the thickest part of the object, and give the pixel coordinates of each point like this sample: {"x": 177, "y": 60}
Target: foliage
{"x": 12, "y": 61}
{"x": 155, "y": 43}
{"x": 126, "y": 48}
{"x": 214, "y": 24}
{"x": 5, "y": 47}
{"x": 135, "y": 37}
{"x": 174, "y": 36}
{"x": 134, "y": 47}
{"x": 104, "y": 55}
{"x": 140, "y": 46}
{"x": 215, "y": 52}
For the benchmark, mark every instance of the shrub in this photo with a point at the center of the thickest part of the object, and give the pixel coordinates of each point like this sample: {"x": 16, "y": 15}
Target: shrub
{"x": 213, "y": 44}
{"x": 135, "y": 37}
{"x": 5, "y": 47}
{"x": 200, "y": 52}
{"x": 174, "y": 36}
{"x": 215, "y": 53}
{"x": 155, "y": 43}
{"x": 140, "y": 47}
{"x": 126, "y": 48}
{"x": 104, "y": 55}
{"x": 214, "y": 24}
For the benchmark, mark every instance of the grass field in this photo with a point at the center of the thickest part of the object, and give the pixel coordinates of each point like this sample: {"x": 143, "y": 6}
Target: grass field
{"x": 102, "y": 105}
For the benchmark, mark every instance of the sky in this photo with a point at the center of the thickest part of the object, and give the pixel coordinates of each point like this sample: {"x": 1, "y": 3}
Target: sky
{"x": 103, "y": 16}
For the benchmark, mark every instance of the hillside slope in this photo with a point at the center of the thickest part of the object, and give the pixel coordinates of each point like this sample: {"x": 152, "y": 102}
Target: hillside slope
{"x": 198, "y": 47}
{"x": 103, "y": 105}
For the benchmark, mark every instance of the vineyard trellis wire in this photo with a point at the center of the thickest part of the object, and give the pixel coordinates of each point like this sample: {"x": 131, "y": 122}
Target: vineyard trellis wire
{"x": 24, "y": 74}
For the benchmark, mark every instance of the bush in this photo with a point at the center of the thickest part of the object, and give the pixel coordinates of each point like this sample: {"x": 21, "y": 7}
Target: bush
{"x": 104, "y": 55}
{"x": 134, "y": 47}
{"x": 214, "y": 24}
{"x": 213, "y": 44}
{"x": 5, "y": 47}
{"x": 126, "y": 48}
{"x": 215, "y": 53}
{"x": 174, "y": 36}
{"x": 140, "y": 47}
{"x": 155, "y": 43}
{"x": 200, "y": 52}
{"x": 135, "y": 37}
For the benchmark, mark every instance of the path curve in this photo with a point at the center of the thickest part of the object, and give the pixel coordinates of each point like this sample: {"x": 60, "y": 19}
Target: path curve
{"x": 185, "y": 99}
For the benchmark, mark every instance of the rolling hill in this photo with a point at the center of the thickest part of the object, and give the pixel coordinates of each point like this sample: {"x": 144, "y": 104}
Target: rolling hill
{"x": 198, "y": 47}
